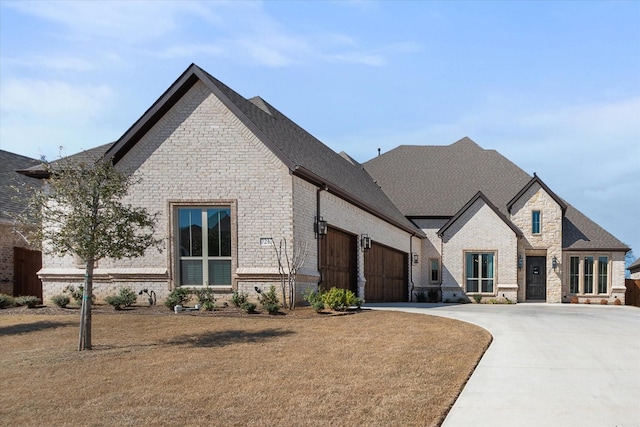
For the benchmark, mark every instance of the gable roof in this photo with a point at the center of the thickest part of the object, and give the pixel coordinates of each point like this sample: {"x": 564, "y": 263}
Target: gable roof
{"x": 481, "y": 196}
{"x": 303, "y": 154}
{"x": 9, "y": 164}
{"x": 435, "y": 181}
{"x": 537, "y": 180}
{"x": 635, "y": 266}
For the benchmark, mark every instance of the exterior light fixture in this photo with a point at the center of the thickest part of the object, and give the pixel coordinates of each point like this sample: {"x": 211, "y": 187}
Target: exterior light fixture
{"x": 365, "y": 242}
{"x": 414, "y": 257}
{"x": 554, "y": 263}
{"x": 520, "y": 262}
{"x": 320, "y": 227}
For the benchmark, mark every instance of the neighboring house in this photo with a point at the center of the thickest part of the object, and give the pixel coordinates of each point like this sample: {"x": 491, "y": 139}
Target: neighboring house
{"x": 495, "y": 231}
{"x": 229, "y": 175}
{"x": 19, "y": 262}
{"x": 634, "y": 269}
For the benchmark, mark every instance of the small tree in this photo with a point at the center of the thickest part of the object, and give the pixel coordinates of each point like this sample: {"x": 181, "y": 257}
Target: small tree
{"x": 288, "y": 266}
{"x": 80, "y": 211}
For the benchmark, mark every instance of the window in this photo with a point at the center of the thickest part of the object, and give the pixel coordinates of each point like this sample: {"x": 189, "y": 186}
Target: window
{"x": 204, "y": 239}
{"x": 479, "y": 268}
{"x": 535, "y": 222}
{"x": 574, "y": 275}
{"x": 603, "y": 264}
{"x": 588, "y": 275}
{"x": 435, "y": 270}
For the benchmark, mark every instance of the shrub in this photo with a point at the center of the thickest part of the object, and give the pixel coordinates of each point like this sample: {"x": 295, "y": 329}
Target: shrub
{"x": 269, "y": 300}
{"x": 76, "y": 294}
{"x": 477, "y": 298}
{"x": 208, "y": 306}
{"x": 205, "y": 296}
{"x": 340, "y": 299}
{"x": 314, "y": 298}
{"x": 432, "y": 295}
{"x": 61, "y": 300}
{"x": 421, "y": 296}
{"x": 238, "y": 298}
{"x": 28, "y": 300}
{"x": 126, "y": 297}
{"x": 574, "y": 300}
{"x": 617, "y": 301}
{"x": 604, "y": 301}
{"x": 6, "y": 301}
{"x": 249, "y": 307}
{"x": 178, "y": 296}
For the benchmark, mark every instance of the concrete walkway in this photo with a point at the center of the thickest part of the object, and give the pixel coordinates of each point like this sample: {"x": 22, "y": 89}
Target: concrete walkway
{"x": 548, "y": 365}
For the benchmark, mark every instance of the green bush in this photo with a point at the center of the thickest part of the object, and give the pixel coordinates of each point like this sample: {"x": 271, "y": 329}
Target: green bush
{"x": 269, "y": 300}
{"x": 27, "y": 300}
{"x": 61, "y": 300}
{"x": 477, "y": 298}
{"x": 208, "y": 306}
{"x": 432, "y": 295}
{"x": 421, "y": 296}
{"x": 238, "y": 298}
{"x": 126, "y": 298}
{"x": 340, "y": 299}
{"x": 314, "y": 298}
{"x": 6, "y": 301}
{"x": 179, "y": 296}
{"x": 249, "y": 307}
{"x": 205, "y": 295}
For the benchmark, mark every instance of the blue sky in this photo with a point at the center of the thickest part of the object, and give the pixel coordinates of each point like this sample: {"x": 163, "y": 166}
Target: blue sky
{"x": 553, "y": 86}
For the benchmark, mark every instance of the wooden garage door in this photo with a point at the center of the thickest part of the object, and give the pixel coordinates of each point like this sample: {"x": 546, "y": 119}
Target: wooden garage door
{"x": 338, "y": 263}
{"x": 386, "y": 272}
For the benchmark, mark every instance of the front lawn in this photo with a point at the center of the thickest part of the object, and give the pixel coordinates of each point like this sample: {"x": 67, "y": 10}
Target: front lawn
{"x": 159, "y": 368}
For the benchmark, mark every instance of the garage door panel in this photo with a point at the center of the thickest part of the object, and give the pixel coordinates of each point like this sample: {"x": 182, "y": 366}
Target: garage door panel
{"x": 386, "y": 274}
{"x": 338, "y": 260}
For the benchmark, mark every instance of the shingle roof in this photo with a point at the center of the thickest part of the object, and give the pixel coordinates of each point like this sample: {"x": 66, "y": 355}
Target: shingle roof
{"x": 90, "y": 155}
{"x": 305, "y": 155}
{"x": 9, "y": 163}
{"x": 437, "y": 181}
{"x": 635, "y": 266}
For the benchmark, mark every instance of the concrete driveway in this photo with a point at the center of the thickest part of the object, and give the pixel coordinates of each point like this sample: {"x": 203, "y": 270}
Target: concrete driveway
{"x": 548, "y": 365}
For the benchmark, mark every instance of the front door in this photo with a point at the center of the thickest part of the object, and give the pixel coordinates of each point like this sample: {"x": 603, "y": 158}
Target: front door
{"x": 536, "y": 278}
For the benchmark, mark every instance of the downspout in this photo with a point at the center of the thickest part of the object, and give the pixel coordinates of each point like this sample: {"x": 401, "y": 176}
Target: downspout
{"x": 441, "y": 267}
{"x": 411, "y": 267}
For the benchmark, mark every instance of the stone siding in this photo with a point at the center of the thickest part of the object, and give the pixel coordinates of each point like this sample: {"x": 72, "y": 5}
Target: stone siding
{"x": 546, "y": 243}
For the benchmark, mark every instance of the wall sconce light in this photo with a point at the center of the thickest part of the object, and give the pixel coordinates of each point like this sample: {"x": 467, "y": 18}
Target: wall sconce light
{"x": 320, "y": 227}
{"x": 365, "y": 242}
{"x": 414, "y": 257}
{"x": 520, "y": 262}
{"x": 554, "y": 263}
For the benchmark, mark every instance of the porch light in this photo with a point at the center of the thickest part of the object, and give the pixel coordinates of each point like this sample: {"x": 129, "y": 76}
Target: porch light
{"x": 365, "y": 242}
{"x": 554, "y": 263}
{"x": 320, "y": 227}
{"x": 520, "y": 262}
{"x": 414, "y": 257}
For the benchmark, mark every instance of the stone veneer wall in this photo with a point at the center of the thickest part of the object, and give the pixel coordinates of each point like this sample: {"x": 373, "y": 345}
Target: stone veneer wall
{"x": 479, "y": 229}
{"x": 548, "y": 243}
{"x": 198, "y": 153}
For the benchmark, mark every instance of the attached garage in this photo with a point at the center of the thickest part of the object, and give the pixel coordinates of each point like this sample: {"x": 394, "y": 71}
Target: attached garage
{"x": 386, "y": 272}
{"x": 338, "y": 260}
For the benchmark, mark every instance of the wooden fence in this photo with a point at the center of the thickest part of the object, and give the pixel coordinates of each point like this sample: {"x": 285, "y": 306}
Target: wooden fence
{"x": 632, "y": 295}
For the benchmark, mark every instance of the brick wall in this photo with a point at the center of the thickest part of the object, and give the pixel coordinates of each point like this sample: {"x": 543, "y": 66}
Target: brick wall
{"x": 479, "y": 229}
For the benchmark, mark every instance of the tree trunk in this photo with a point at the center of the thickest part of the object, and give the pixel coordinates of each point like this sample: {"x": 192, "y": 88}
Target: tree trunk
{"x": 84, "y": 340}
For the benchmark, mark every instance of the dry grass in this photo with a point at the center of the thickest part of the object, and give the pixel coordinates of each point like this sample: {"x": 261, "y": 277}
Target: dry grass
{"x": 369, "y": 368}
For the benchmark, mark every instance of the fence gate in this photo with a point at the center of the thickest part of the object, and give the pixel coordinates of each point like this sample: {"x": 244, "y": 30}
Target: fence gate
{"x": 26, "y": 264}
